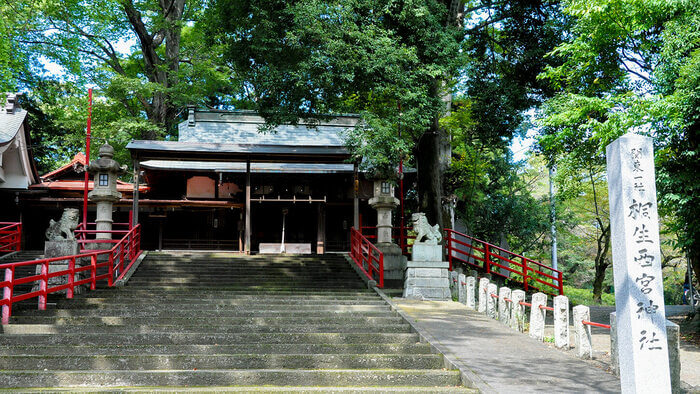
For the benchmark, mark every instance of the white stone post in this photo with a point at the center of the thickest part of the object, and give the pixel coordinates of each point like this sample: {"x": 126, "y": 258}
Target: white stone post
{"x": 517, "y": 317}
{"x": 491, "y": 301}
{"x": 538, "y": 315}
{"x": 471, "y": 289}
{"x": 582, "y": 337}
{"x": 462, "y": 294}
{"x": 634, "y": 229}
{"x": 454, "y": 284}
{"x": 504, "y": 305}
{"x": 561, "y": 322}
{"x": 483, "y": 294}
{"x": 614, "y": 358}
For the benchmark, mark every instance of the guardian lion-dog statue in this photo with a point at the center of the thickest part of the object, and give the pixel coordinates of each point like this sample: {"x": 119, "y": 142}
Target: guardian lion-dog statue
{"x": 62, "y": 230}
{"x": 422, "y": 229}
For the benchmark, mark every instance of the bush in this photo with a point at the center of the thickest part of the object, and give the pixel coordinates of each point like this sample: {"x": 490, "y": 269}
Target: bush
{"x": 585, "y": 296}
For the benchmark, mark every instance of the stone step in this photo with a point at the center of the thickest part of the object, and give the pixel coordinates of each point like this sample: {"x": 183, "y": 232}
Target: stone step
{"x": 91, "y": 303}
{"x": 251, "y": 377}
{"x": 243, "y": 281}
{"x": 92, "y": 297}
{"x": 196, "y": 320}
{"x": 206, "y": 339}
{"x": 205, "y": 327}
{"x": 253, "y": 287}
{"x": 216, "y": 292}
{"x": 199, "y": 309}
{"x": 222, "y": 361}
{"x": 201, "y": 314}
{"x": 264, "y": 390}
{"x": 251, "y": 348}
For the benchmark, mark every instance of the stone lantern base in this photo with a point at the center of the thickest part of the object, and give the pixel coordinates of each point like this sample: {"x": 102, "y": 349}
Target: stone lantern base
{"x": 394, "y": 261}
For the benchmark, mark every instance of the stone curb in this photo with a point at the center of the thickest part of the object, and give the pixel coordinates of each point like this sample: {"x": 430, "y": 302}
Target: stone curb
{"x": 7, "y": 256}
{"x": 371, "y": 284}
{"x": 121, "y": 282}
{"x": 469, "y": 378}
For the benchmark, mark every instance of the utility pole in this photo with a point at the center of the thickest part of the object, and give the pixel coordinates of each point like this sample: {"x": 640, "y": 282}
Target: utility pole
{"x": 553, "y": 216}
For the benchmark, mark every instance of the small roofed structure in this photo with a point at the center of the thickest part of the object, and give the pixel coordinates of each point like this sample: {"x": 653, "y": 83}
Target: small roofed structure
{"x": 236, "y": 181}
{"x": 17, "y": 169}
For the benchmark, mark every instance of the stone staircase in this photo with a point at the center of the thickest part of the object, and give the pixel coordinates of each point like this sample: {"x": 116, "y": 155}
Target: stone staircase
{"x": 215, "y": 322}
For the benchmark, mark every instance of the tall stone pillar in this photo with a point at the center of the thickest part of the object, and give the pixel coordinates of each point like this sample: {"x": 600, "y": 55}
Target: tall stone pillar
{"x": 384, "y": 202}
{"x": 105, "y": 171}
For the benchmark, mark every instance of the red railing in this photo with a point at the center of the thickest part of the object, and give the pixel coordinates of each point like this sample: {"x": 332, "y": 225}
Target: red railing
{"x": 367, "y": 257}
{"x": 84, "y": 240}
{"x": 470, "y": 251}
{"x": 370, "y": 232}
{"x": 10, "y": 237}
{"x": 594, "y": 324}
{"x": 126, "y": 250}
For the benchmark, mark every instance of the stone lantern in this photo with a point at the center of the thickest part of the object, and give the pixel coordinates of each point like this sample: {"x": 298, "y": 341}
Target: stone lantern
{"x": 384, "y": 202}
{"x": 105, "y": 172}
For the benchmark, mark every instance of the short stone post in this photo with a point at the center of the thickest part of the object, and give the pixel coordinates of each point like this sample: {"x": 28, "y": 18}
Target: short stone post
{"x": 561, "y": 322}
{"x": 537, "y": 315}
{"x": 454, "y": 288}
{"x": 483, "y": 294}
{"x": 674, "y": 356}
{"x": 491, "y": 310}
{"x": 582, "y": 335}
{"x": 504, "y": 305}
{"x": 517, "y": 314}
{"x": 462, "y": 286}
{"x": 471, "y": 296}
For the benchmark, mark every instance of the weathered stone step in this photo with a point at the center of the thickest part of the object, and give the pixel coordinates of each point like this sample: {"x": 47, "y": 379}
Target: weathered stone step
{"x": 253, "y": 348}
{"x": 223, "y": 361}
{"x": 262, "y": 390}
{"x": 253, "y": 377}
{"x": 205, "y": 339}
{"x": 209, "y": 326}
{"x": 243, "y": 281}
{"x": 259, "y": 287}
{"x": 195, "y": 320}
{"x": 216, "y": 292}
{"x": 117, "y": 296}
{"x": 201, "y": 314}
{"x": 91, "y": 303}
{"x": 198, "y": 309}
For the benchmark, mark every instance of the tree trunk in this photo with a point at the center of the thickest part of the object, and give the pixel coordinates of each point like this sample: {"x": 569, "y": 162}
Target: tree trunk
{"x": 430, "y": 176}
{"x": 601, "y": 264}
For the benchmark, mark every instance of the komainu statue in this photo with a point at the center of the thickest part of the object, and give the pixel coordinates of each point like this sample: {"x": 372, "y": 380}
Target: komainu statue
{"x": 63, "y": 229}
{"x": 422, "y": 229}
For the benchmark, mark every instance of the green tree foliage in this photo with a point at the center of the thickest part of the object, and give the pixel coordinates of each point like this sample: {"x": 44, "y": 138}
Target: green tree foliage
{"x": 633, "y": 66}
{"x": 303, "y": 59}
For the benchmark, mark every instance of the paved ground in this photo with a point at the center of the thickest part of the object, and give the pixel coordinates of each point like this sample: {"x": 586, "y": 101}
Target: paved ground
{"x": 503, "y": 360}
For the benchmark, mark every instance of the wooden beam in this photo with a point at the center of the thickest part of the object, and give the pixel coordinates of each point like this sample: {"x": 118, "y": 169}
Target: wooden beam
{"x": 135, "y": 204}
{"x": 247, "y": 207}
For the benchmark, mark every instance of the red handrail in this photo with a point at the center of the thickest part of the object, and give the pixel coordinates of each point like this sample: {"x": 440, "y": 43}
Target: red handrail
{"x": 10, "y": 237}
{"x": 365, "y": 255}
{"x": 480, "y": 254}
{"x": 590, "y": 323}
{"x": 126, "y": 250}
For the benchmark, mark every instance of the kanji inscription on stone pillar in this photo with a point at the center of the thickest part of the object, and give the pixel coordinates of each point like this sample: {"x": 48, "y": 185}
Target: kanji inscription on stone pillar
{"x": 639, "y": 296}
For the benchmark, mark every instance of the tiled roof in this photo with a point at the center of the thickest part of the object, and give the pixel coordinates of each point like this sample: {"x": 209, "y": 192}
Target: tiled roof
{"x": 242, "y": 127}
{"x": 10, "y": 125}
{"x": 213, "y": 166}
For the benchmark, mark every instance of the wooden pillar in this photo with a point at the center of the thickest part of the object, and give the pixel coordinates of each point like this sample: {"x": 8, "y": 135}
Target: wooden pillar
{"x": 247, "y": 207}
{"x": 321, "y": 233}
{"x": 356, "y": 201}
{"x": 135, "y": 204}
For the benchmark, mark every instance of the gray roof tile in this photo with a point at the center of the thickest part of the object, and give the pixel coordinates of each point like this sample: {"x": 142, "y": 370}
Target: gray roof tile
{"x": 10, "y": 125}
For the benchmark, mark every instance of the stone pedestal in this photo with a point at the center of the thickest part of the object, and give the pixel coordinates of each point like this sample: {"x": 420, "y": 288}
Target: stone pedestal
{"x": 58, "y": 249}
{"x": 394, "y": 261}
{"x": 426, "y": 274}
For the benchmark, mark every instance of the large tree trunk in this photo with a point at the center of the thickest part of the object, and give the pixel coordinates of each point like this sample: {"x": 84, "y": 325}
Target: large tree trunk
{"x": 430, "y": 175}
